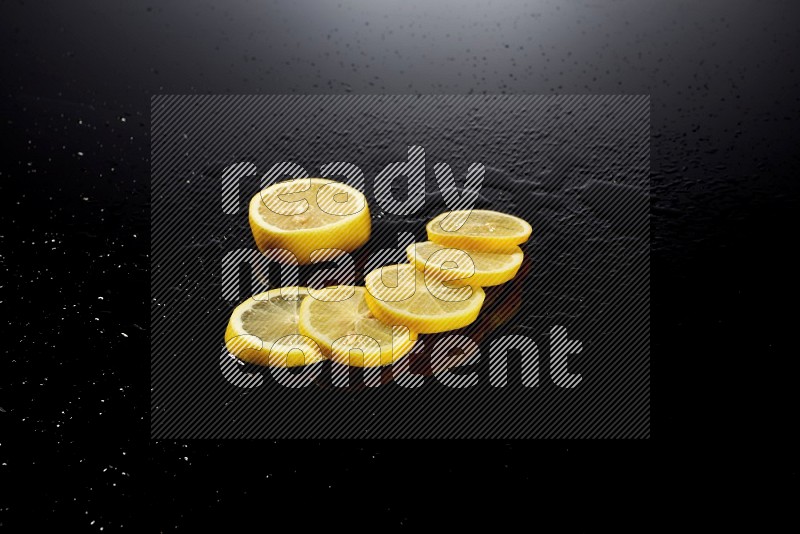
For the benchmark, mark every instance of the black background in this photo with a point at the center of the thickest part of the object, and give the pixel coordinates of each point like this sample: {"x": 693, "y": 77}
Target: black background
{"x": 76, "y": 84}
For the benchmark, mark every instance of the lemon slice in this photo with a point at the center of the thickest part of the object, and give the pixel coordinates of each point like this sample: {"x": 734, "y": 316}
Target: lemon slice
{"x": 468, "y": 267}
{"x": 263, "y": 330}
{"x": 309, "y": 214}
{"x": 339, "y": 320}
{"x": 479, "y": 230}
{"x": 402, "y": 295}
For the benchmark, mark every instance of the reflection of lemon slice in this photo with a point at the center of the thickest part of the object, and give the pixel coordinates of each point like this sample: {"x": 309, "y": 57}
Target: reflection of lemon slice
{"x": 401, "y": 295}
{"x": 467, "y": 266}
{"x": 479, "y": 230}
{"x": 263, "y": 330}
{"x": 309, "y": 214}
{"x": 339, "y": 320}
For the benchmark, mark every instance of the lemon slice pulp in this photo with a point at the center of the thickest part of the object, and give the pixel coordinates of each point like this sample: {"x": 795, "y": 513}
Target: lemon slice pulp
{"x": 479, "y": 230}
{"x": 339, "y": 319}
{"x": 469, "y": 267}
{"x": 263, "y": 330}
{"x": 402, "y": 295}
{"x": 310, "y": 214}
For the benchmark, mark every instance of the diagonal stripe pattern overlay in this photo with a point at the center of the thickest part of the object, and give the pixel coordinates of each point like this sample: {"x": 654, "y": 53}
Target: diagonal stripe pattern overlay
{"x": 560, "y": 351}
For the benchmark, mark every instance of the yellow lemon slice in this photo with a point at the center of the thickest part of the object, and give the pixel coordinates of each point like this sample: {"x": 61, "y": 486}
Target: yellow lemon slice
{"x": 339, "y": 320}
{"x": 307, "y": 215}
{"x": 425, "y": 303}
{"x": 479, "y": 230}
{"x": 263, "y": 330}
{"x": 467, "y": 266}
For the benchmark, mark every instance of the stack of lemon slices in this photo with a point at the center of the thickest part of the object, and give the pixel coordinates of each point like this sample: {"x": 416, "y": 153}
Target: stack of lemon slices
{"x": 440, "y": 289}
{"x": 309, "y": 215}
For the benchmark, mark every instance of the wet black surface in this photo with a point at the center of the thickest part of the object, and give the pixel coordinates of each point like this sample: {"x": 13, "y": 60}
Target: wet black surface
{"x": 587, "y": 264}
{"x": 76, "y": 83}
